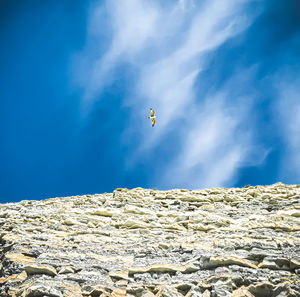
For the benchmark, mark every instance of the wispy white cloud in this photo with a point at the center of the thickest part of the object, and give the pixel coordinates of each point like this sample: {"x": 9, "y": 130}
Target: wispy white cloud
{"x": 219, "y": 140}
{"x": 169, "y": 45}
{"x": 132, "y": 24}
{"x": 168, "y": 82}
{"x": 287, "y": 121}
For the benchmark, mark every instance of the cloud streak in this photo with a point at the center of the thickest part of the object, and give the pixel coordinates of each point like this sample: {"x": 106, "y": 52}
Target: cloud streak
{"x": 287, "y": 120}
{"x": 170, "y": 46}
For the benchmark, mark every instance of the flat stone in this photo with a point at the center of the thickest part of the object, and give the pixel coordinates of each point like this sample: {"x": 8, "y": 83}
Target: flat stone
{"x": 294, "y": 264}
{"x": 119, "y": 274}
{"x": 159, "y": 268}
{"x": 3, "y": 280}
{"x": 229, "y": 260}
{"x": 130, "y": 223}
{"x": 19, "y": 258}
{"x": 200, "y": 227}
{"x": 137, "y": 210}
{"x": 71, "y": 222}
{"x": 39, "y": 289}
{"x": 65, "y": 270}
{"x": 290, "y": 212}
{"x": 11, "y": 237}
{"x": 102, "y": 212}
{"x": 40, "y": 269}
{"x": 261, "y": 289}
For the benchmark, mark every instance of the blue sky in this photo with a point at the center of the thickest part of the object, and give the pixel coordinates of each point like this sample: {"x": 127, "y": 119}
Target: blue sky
{"x": 78, "y": 79}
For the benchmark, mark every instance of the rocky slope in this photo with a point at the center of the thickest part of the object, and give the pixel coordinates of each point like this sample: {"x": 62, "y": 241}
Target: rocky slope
{"x": 141, "y": 242}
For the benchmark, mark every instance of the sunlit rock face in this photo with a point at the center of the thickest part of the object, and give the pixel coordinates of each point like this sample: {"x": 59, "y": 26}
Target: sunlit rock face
{"x": 141, "y": 242}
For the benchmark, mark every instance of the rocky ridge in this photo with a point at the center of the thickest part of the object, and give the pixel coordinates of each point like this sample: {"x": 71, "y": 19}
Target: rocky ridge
{"x": 142, "y": 242}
